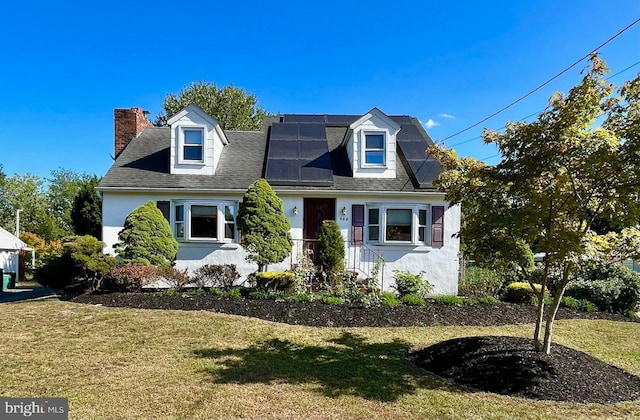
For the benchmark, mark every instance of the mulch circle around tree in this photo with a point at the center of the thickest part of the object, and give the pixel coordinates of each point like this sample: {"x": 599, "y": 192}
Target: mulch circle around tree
{"x": 503, "y": 365}
{"x": 510, "y": 366}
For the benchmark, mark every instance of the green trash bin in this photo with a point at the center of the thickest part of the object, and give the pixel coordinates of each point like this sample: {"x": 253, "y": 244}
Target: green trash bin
{"x": 6, "y": 280}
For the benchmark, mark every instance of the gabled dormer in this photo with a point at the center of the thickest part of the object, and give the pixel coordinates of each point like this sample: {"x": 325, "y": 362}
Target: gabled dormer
{"x": 371, "y": 145}
{"x": 196, "y": 142}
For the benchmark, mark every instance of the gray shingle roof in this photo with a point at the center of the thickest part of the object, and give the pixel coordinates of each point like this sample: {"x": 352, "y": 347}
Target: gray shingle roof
{"x": 144, "y": 163}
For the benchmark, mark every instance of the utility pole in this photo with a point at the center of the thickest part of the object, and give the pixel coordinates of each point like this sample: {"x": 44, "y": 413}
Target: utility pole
{"x": 18, "y": 223}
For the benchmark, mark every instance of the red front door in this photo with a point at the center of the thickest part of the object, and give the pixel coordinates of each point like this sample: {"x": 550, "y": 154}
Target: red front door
{"x": 316, "y": 210}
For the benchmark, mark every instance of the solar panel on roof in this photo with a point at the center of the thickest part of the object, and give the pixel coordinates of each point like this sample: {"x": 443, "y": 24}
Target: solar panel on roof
{"x": 402, "y": 119}
{"x": 413, "y": 146}
{"x": 281, "y": 131}
{"x": 341, "y": 120}
{"x": 303, "y": 118}
{"x": 298, "y": 154}
{"x": 312, "y": 131}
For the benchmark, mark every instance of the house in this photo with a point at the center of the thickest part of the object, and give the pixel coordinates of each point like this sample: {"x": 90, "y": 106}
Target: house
{"x": 368, "y": 172}
{"x": 10, "y": 248}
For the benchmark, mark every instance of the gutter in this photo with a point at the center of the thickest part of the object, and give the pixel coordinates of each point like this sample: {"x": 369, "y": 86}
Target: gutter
{"x": 310, "y": 193}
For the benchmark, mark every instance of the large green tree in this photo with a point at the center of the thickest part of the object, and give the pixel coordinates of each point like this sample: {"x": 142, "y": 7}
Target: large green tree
{"x": 63, "y": 186}
{"x": 147, "y": 238}
{"x": 232, "y": 107}
{"x": 557, "y": 175}
{"x": 28, "y": 194}
{"x": 264, "y": 227}
{"x": 86, "y": 211}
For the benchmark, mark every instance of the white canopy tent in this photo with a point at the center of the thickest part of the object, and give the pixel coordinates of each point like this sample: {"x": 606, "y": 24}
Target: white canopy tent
{"x": 9, "y": 247}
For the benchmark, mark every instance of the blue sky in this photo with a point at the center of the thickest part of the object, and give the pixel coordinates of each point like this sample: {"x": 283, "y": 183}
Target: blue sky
{"x": 65, "y": 65}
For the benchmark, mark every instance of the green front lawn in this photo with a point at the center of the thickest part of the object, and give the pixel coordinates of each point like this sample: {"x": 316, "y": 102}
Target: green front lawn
{"x": 126, "y": 363}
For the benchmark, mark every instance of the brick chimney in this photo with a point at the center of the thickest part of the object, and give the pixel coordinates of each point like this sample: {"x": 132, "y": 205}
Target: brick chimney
{"x": 128, "y": 124}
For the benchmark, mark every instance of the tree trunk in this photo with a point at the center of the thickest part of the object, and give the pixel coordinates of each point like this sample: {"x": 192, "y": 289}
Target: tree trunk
{"x": 551, "y": 316}
{"x": 537, "y": 344}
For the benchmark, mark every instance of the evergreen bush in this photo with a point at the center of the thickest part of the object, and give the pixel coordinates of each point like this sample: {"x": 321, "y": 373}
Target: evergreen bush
{"x": 613, "y": 288}
{"x": 264, "y": 227}
{"x": 147, "y": 238}
{"x": 330, "y": 248}
{"x": 521, "y": 292}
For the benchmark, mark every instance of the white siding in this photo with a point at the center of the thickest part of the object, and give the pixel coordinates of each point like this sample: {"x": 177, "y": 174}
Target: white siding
{"x": 212, "y": 147}
{"x": 375, "y": 123}
{"x": 440, "y": 264}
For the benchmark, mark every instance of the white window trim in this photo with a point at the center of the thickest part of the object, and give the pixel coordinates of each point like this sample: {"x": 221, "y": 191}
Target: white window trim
{"x": 415, "y": 220}
{"x": 220, "y": 217}
{"x": 363, "y": 148}
{"x": 181, "y": 144}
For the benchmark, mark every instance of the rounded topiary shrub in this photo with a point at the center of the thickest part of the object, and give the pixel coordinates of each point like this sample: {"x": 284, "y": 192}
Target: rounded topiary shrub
{"x": 147, "y": 238}
{"x": 521, "y": 292}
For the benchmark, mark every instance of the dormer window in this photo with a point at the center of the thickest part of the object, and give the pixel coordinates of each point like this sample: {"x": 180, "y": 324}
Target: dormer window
{"x": 192, "y": 145}
{"x": 374, "y": 151}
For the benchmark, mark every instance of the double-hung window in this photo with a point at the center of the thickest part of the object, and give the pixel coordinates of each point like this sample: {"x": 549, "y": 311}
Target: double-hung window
{"x": 179, "y": 222}
{"x": 192, "y": 149}
{"x": 397, "y": 224}
{"x": 374, "y": 149}
{"x": 199, "y": 221}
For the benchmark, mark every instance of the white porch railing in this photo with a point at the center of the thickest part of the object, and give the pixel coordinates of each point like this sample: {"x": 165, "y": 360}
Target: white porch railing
{"x": 359, "y": 258}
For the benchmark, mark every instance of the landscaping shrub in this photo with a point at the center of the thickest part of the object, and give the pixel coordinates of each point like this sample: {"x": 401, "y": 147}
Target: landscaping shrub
{"x": 449, "y": 300}
{"x": 581, "y": 304}
{"x": 413, "y": 300}
{"x": 276, "y": 280}
{"x": 408, "y": 283}
{"x": 332, "y": 300}
{"x": 520, "y": 292}
{"x": 177, "y": 279}
{"x": 305, "y": 272}
{"x": 389, "y": 299}
{"x": 265, "y": 228}
{"x": 479, "y": 282}
{"x": 214, "y": 275}
{"x": 267, "y": 295}
{"x": 330, "y": 248}
{"x": 147, "y": 237}
{"x": 233, "y": 293}
{"x": 613, "y": 288}
{"x": 128, "y": 278}
{"x": 359, "y": 291}
{"x": 300, "y": 297}
{"x": 80, "y": 263}
{"x": 487, "y": 300}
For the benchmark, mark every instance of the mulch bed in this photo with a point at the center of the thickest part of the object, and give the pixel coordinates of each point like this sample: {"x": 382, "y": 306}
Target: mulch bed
{"x": 508, "y": 365}
{"x": 503, "y": 365}
{"x": 319, "y": 314}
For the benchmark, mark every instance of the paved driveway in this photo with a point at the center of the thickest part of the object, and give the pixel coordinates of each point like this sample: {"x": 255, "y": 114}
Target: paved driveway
{"x": 26, "y": 293}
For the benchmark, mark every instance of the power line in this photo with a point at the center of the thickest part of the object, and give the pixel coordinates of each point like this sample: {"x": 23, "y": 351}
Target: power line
{"x": 543, "y": 84}
{"x": 538, "y": 112}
